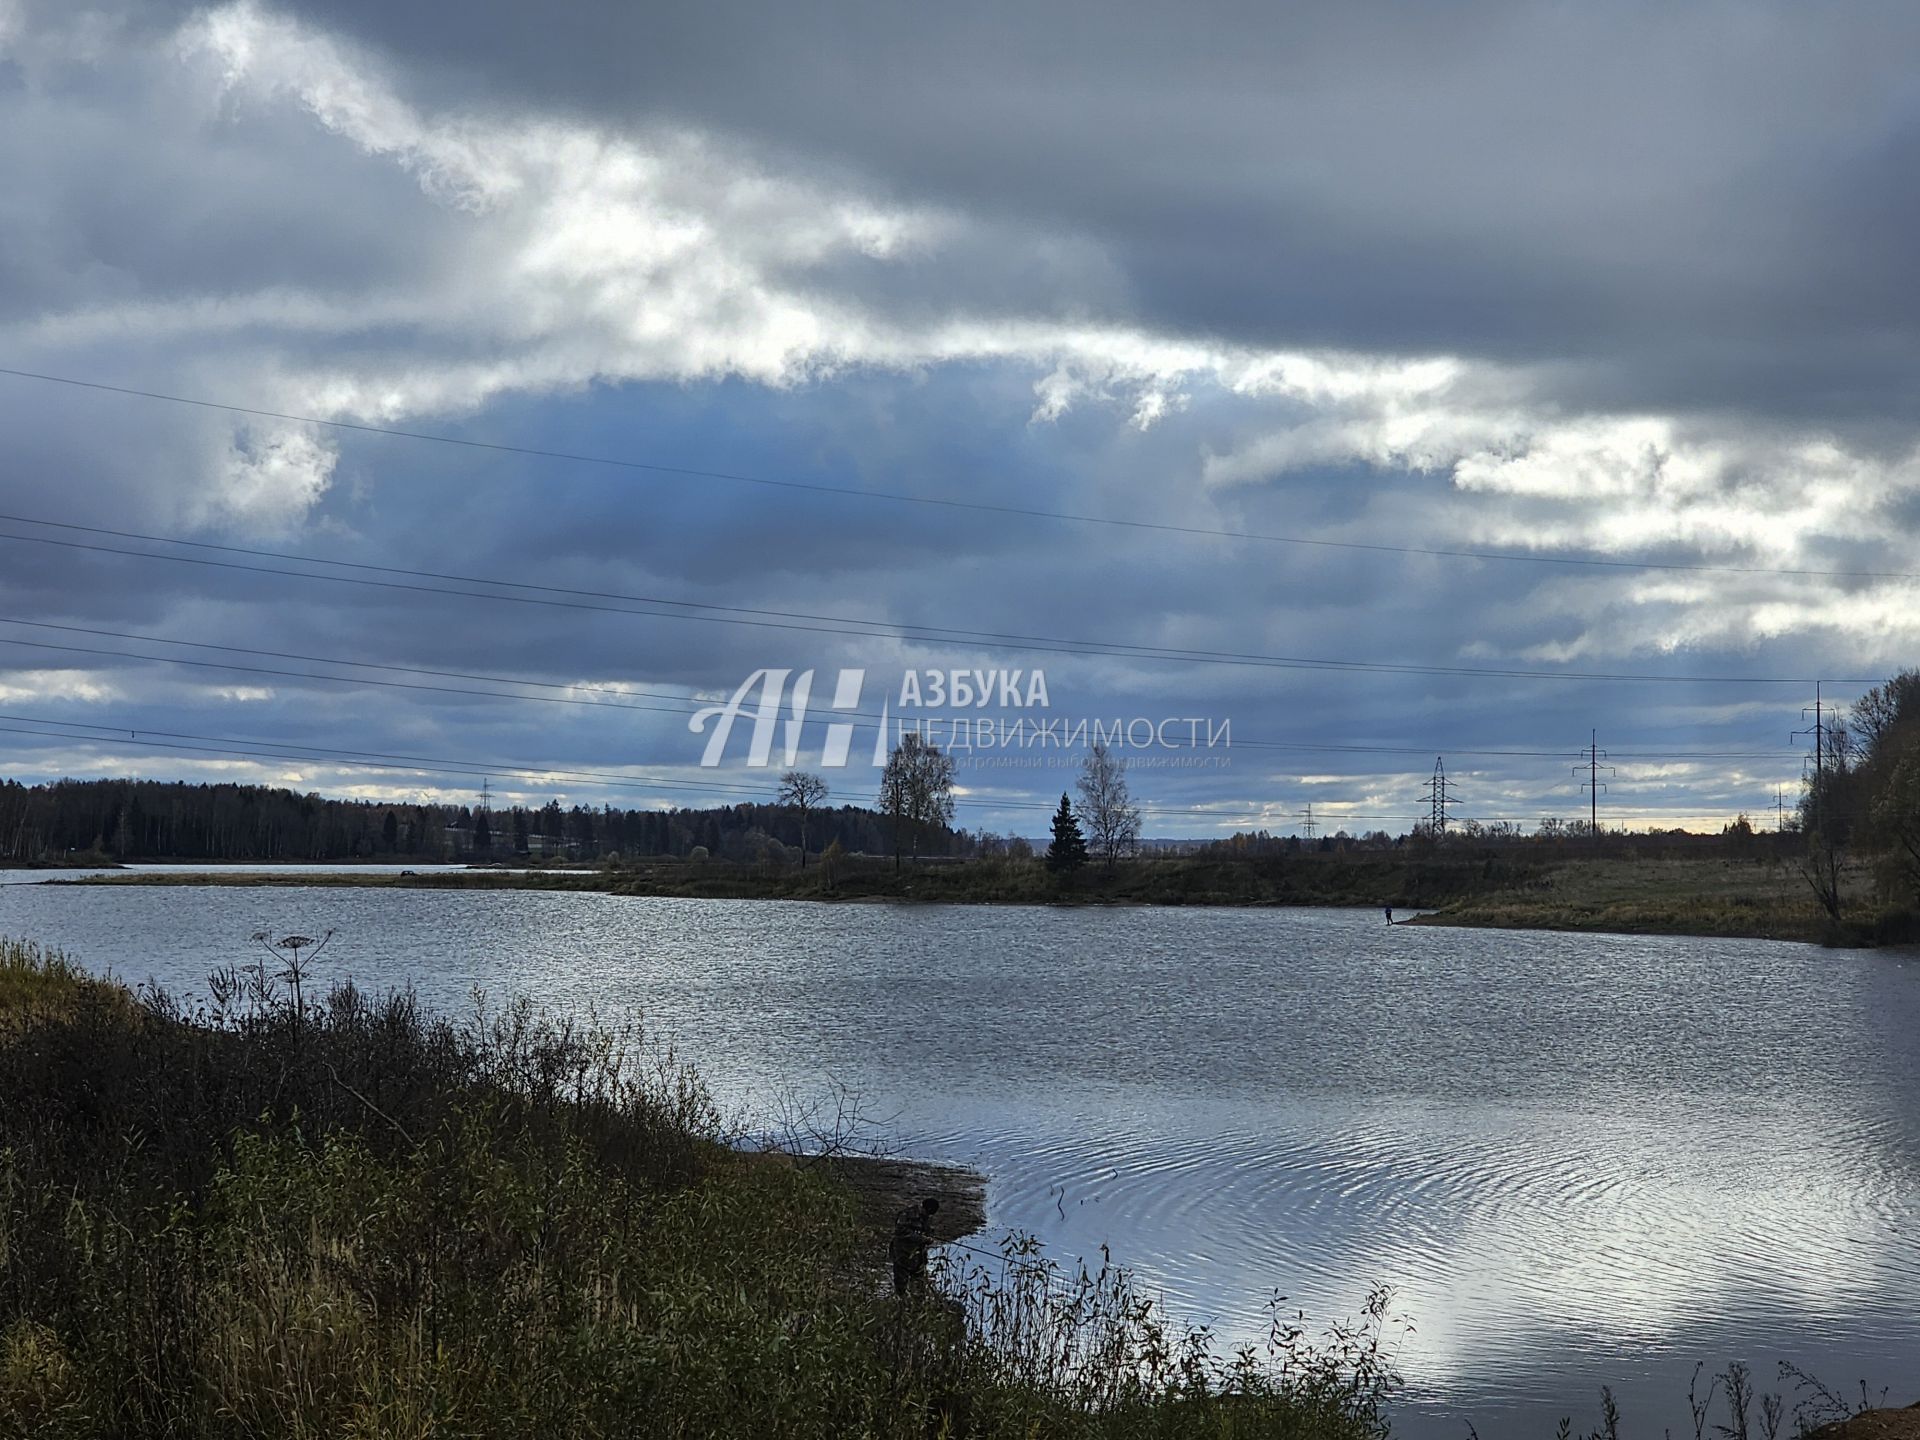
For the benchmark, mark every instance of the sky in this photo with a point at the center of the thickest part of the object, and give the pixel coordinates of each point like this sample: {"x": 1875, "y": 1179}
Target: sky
{"x": 1370, "y": 385}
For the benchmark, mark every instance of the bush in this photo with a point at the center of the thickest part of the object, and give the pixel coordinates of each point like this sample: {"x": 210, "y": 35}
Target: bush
{"x": 259, "y": 1217}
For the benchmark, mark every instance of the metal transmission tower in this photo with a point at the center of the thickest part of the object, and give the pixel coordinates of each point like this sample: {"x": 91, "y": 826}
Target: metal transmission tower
{"x": 1307, "y": 825}
{"x": 1823, "y": 873}
{"x": 1820, "y": 731}
{"x": 1439, "y": 794}
{"x": 1593, "y": 784}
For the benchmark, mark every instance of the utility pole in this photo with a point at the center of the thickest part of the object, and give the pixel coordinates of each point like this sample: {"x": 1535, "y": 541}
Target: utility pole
{"x": 486, "y": 795}
{"x": 1779, "y": 810}
{"x": 1307, "y": 825}
{"x": 1593, "y": 784}
{"x": 1439, "y": 793}
{"x": 1819, "y": 734}
{"x": 1822, "y": 868}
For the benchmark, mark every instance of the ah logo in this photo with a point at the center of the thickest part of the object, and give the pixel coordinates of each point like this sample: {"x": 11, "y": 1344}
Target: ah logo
{"x": 772, "y": 689}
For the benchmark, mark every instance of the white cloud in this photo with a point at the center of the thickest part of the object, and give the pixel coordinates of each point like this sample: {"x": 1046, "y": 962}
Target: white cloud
{"x": 41, "y": 686}
{"x": 578, "y": 255}
{"x": 271, "y": 476}
{"x": 589, "y": 255}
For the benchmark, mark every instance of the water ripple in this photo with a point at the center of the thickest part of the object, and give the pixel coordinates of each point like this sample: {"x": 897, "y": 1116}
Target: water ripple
{"x": 1581, "y": 1159}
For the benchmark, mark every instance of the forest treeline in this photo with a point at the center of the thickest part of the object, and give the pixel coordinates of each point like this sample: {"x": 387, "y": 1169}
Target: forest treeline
{"x": 1862, "y": 797}
{"x": 157, "y": 820}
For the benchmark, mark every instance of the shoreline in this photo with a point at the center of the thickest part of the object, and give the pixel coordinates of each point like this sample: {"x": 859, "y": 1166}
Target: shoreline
{"x": 1467, "y": 916}
{"x": 510, "y": 1226}
{"x": 1745, "y": 895}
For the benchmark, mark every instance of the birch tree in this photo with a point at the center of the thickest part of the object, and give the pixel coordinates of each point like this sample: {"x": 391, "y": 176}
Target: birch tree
{"x": 916, "y": 791}
{"x": 1112, "y": 819}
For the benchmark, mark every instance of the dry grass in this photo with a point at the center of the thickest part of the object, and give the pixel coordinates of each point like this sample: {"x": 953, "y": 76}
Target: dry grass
{"x": 37, "y": 985}
{"x": 352, "y": 1220}
{"x": 1759, "y": 898}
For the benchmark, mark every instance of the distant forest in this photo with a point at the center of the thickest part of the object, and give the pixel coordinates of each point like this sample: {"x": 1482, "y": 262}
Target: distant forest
{"x": 154, "y": 820}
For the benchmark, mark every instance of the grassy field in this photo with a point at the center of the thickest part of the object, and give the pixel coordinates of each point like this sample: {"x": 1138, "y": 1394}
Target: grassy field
{"x": 1760, "y": 898}
{"x": 351, "y": 1220}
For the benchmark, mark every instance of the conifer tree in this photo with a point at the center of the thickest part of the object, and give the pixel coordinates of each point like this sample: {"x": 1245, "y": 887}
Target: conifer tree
{"x": 1068, "y": 852}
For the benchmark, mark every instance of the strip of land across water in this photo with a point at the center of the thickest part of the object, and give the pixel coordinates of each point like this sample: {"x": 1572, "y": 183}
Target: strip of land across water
{"x": 1758, "y": 896}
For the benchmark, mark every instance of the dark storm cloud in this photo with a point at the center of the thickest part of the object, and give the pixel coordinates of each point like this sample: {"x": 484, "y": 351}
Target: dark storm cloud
{"x": 1626, "y": 211}
{"x": 1716, "y": 201}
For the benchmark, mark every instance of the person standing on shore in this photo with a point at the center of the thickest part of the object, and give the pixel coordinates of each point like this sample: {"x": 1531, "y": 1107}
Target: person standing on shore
{"x": 1389, "y": 914}
{"x": 912, "y": 1236}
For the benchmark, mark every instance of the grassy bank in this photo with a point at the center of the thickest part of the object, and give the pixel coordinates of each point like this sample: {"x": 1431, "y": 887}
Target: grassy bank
{"x": 1624, "y": 893}
{"x": 1756, "y": 898}
{"x": 1309, "y": 879}
{"x": 351, "y": 1220}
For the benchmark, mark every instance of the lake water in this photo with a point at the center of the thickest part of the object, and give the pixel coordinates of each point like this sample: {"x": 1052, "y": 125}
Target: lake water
{"x": 1579, "y": 1159}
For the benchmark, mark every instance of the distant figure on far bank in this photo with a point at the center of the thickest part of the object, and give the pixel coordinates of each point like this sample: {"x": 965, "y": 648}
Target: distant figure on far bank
{"x": 912, "y": 1236}
{"x": 1389, "y": 914}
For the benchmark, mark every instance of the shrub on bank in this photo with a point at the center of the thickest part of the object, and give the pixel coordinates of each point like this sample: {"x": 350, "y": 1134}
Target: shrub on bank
{"x": 251, "y": 1217}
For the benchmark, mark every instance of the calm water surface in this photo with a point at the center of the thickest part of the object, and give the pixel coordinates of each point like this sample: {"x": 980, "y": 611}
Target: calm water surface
{"x": 1580, "y": 1160}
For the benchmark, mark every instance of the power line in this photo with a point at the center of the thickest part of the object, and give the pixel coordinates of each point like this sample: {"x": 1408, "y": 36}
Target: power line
{"x": 354, "y": 664}
{"x": 1439, "y": 794}
{"x": 893, "y": 630}
{"x": 598, "y": 775}
{"x": 1593, "y": 784}
{"x": 301, "y": 753}
{"x": 320, "y": 754}
{"x": 386, "y": 760}
{"x": 944, "y": 502}
{"x": 683, "y": 705}
{"x": 354, "y": 680}
{"x": 311, "y": 754}
{"x": 1825, "y": 746}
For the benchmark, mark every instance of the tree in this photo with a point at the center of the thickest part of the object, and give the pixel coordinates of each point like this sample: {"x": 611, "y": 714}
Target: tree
{"x": 390, "y": 832}
{"x": 482, "y": 833}
{"x": 802, "y": 793}
{"x": 521, "y": 836}
{"x": 916, "y": 791}
{"x": 553, "y": 828}
{"x": 1896, "y": 826}
{"x": 1886, "y": 782}
{"x": 1827, "y": 814}
{"x": 1885, "y": 710}
{"x": 1820, "y": 867}
{"x": 1113, "y": 821}
{"x": 1824, "y": 821}
{"x": 1068, "y": 852}
{"x": 580, "y": 821}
